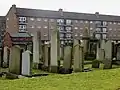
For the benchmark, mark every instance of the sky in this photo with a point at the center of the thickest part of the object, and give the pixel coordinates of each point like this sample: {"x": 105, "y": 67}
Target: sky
{"x": 110, "y": 7}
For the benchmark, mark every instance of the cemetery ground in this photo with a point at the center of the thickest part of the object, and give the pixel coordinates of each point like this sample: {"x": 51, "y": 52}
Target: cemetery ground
{"x": 97, "y": 79}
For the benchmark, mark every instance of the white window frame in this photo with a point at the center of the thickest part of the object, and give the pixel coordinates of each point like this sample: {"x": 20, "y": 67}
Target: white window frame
{"x": 76, "y": 28}
{"x": 45, "y": 19}
{"x": 38, "y": 19}
{"x": 81, "y": 21}
{"x": 32, "y": 26}
{"x": 45, "y": 26}
{"x": 86, "y": 21}
{"x": 68, "y": 22}
{"x": 38, "y": 26}
{"x": 91, "y": 21}
{"x": 76, "y": 21}
{"x": 22, "y": 18}
{"x": 32, "y": 19}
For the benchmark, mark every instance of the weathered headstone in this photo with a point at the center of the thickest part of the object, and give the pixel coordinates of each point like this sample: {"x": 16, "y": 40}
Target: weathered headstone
{"x": 5, "y": 57}
{"x": 78, "y": 57}
{"x": 15, "y": 60}
{"x": 26, "y": 63}
{"x": 55, "y": 54}
{"x": 67, "y": 57}
{"x": 108, "y": 55}
{"x": 118, "y": 53}
{"x": 36, "y": 50}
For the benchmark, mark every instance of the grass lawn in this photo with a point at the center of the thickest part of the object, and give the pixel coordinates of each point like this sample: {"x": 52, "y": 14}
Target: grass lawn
{"x": 94, "y": 80}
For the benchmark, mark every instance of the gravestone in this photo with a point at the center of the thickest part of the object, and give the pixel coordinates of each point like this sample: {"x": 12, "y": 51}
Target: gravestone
{"x": 5, "y": 57}
{"x": 0, "y": 58}
{"x": 108, "y": 55}
{"x": 67, "y": 57}
{"x": 15, "y": 60}
{"x": 78, "y": 57}
{"x": 36, "y": 54}
{"x": 26, "y": 63}
{"x": 55, "y": 52}
{"x": 118, "y": 53}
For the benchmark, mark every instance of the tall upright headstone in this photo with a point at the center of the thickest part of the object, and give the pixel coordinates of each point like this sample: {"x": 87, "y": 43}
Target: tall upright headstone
{"x": 36, "y": 50}
{"x": 0, "y": 58}
{"x": 46, "y": 53}
{"x": 118, "y": 53}
{"x": 15, "y": 60}
{"x": 108, "y": 55}
{"x": 55, "y": 52}
{"x": 78, "y": 57}
{"x": 5, "y": 57}
{"x": 67, "y": 57}
{"x": 26, "y": 63}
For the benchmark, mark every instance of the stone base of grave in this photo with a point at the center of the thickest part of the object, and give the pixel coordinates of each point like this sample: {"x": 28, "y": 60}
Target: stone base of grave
{"x": 11, "y": 76}
{"x": 35, "y": 65}
{"x": 65, "y": 71}
{"x": 78, "y": 70}
{"x": 5, "y": 65}
{"x": 53, "y": 69}
{"x": 95, "y": 64}
{"x": 107, "y": 64}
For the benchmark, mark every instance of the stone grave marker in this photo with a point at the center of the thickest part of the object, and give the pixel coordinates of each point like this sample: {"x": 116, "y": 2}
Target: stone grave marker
{"x": 108, "y": 55}
{"x": 15, "y": 60}
{"x": 78, "y": 57}
{"x": 67, "y": 57}
{"x": 26, "y": 63}
{"x": 55, "y": 55}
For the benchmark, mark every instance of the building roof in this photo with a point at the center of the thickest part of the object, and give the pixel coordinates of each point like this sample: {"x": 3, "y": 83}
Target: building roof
{"x": 67, "y": 15}
{"x": 20, "y": 34}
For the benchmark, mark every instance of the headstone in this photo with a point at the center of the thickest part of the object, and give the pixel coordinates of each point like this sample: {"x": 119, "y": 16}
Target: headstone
{"x": 15, "y": 60}
{"x": 102, "y": 44}
{"x": 67, "y": 57}
{"x": 5, "y": 57}
{"x": 108, "y": 55}
{"x": 55, "y": 46}
{"x": 118, "y": 53}
{"x": 78, "y": 57}
{"x": 0, "y": 58}
{"x": 36, "y": 50}
{"x": 61, "y": 52}
{"x": 26, "y": 63}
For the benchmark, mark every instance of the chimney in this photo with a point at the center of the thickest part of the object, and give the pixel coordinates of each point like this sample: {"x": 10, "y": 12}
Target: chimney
{"x": 61, "y": 12}
{"x": 14, "y": 5}
{"x": 97, "y": 14}
{"x": 14, "y": 8}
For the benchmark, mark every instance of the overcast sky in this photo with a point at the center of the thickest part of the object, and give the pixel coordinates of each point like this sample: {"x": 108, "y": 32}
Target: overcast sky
{"x": 86, "y": 6}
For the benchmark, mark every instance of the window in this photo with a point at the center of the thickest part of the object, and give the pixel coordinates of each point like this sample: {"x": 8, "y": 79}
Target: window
{"x": 32, "y": 27}
{"x": 60, "y": 28}
{"x": 104, "y": 23}
{"x": 76, "y": 35}
{"x": 45, "y": 35}
{"x": 62, "y": 42}
{"x": 81, "y": 28}
{"x": 110, "y": 29}
{"x": 61, "y": 35}
{"x": 32, "y": 19}
{"x": 45, "y": 27}
{"x": 104, "y": 29}
{"x": 68, "y": 22}
{"x": 38, "y": 19}
{"x": 22, "y": 26}
{"x": 45, "y": 20}
{"x": 22, "y": 18}
{"x": 91, "y": 28}
{"x": 81, "y": 35}
{"x": 91, "y": 21}
{"x": 98, "y": 30}
{"x": 97, "y": 36}
{"x": 76, "y": 28}
{"x": 119, "y": 23}
{"x": 39, "y": 27}
{"x": 68, "y": 29}
{"x": 68, "y": 35}
{"x": 110, "y": 22}
{"x": 60, "y": 21}
{"x": 114, "y": 22}
{"x": 51, "y": 20}
{"x": 86, "y": 21}
{"x": 104, "y": 36}
{"x": 76, "y": 21}
{"x": 81, "y": 21}
{"x": 7, "y": 18}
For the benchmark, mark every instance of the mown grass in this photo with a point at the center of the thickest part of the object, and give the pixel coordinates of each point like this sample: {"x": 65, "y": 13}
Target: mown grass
{"x": 97, "y": 79}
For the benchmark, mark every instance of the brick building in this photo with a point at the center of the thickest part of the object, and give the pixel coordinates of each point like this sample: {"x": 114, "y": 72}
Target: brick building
{"x": 70, "y": 24}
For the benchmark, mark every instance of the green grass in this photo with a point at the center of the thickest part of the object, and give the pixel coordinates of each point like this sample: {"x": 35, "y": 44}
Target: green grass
{"x": 97, "y": 79}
